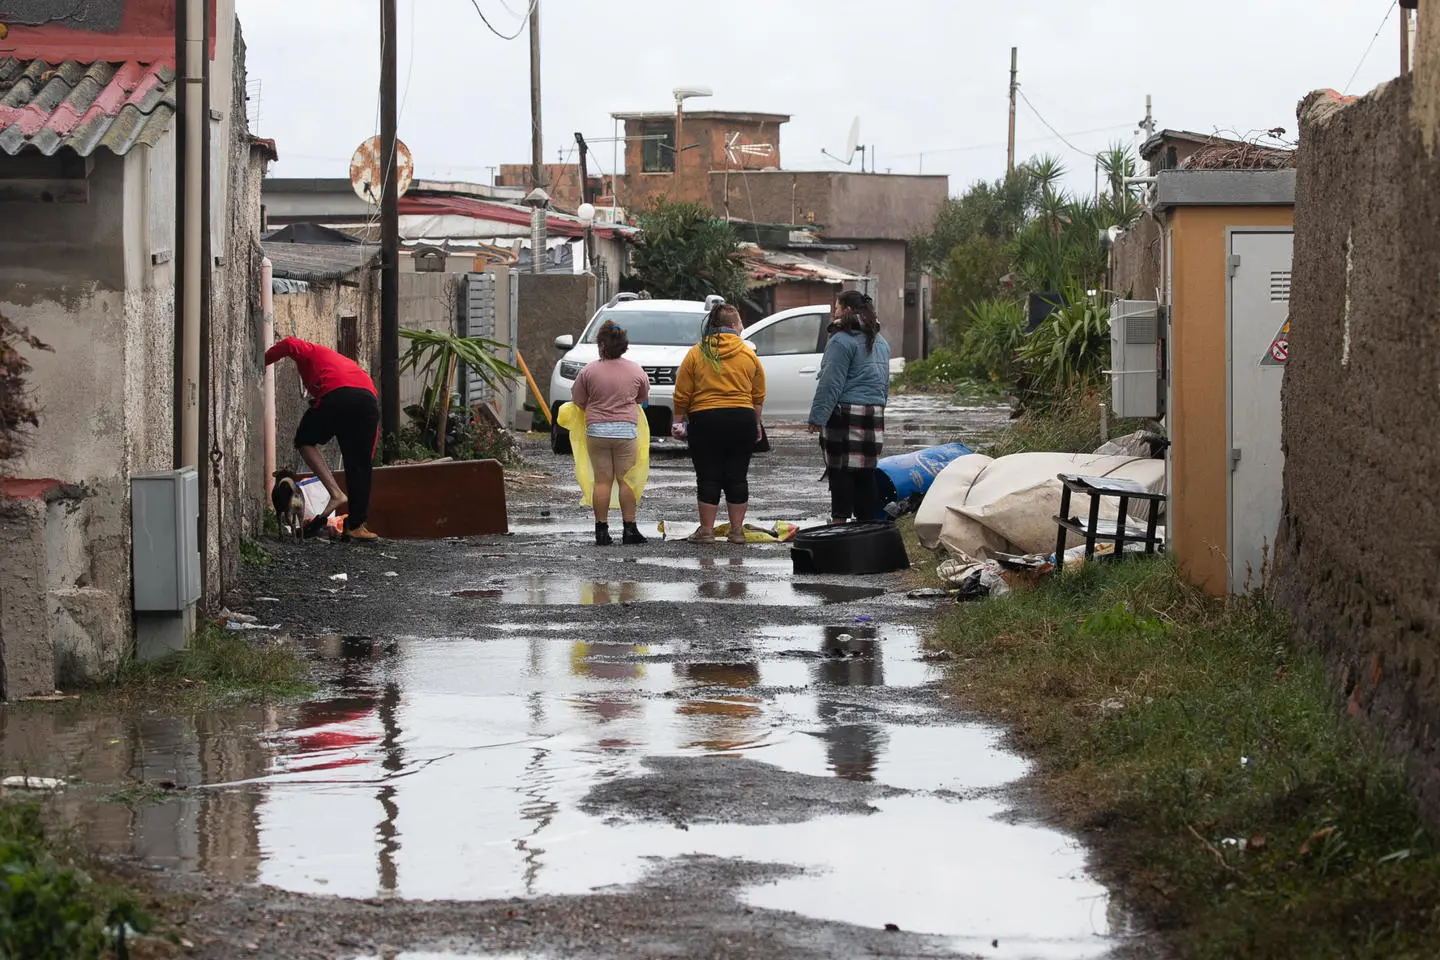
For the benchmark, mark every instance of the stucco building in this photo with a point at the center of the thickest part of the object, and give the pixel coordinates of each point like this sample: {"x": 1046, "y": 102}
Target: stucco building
{"x": 88, "y": 263}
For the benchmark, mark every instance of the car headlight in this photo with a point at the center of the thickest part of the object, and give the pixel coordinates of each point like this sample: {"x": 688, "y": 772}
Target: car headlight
{"x": 570, "y": 369}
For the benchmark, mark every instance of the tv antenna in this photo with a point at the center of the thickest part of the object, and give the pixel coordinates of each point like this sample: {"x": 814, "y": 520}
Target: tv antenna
{"x": 852, "y": 144}
{"x": 734, "y": 149}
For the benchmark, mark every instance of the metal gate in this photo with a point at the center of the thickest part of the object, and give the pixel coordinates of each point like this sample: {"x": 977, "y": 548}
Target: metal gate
{"x": 478, "y": 315}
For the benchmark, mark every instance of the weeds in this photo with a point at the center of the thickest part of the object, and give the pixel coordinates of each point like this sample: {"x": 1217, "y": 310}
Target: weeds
{"x": 224, "y": 664}
{"x": 50, "y": 909}
{"x": 253, "y": 554}
{"x": 1068, "y": 426}
{"x": 1241, "y": 813}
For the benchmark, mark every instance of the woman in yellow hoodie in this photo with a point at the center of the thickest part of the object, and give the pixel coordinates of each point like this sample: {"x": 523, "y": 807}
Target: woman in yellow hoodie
{"x": 719, "y": 392}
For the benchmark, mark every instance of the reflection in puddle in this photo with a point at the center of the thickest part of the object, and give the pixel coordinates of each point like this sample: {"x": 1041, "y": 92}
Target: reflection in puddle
{"x": 541, "y": 590}
{"x": 439, "y": 769}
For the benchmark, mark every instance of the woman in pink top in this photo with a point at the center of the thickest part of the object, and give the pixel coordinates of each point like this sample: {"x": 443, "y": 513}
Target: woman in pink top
{"x": 608, "y": 390}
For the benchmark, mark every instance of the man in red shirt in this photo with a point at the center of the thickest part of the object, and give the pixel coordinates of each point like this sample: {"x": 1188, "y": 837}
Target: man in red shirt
{"x": 345, "y": 408}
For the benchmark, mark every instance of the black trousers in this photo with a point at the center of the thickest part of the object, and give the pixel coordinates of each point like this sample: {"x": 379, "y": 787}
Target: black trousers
{"x": 350, "y": 416}
{"x": 854, "y": 493}
{"x": 721, "y": 442}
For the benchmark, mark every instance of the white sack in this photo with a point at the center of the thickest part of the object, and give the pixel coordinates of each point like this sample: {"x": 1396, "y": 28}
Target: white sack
{"x": 951, "y": 485}
{"x": 1010, "y": 505}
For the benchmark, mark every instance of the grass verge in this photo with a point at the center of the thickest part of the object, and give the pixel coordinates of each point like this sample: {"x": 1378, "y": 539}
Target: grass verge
{"x": 50, "y": 908}
{"x": 1072, "y": 426}
{"x": 1208, "y": 764}
{"x": 224, "y": 664}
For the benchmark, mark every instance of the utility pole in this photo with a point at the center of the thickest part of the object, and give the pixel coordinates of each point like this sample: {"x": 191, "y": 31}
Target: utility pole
{"x": 1014, "y": 88}
{"x": 1149, "y": 119}
{"x": 537, "y": 145}
{"x": 389, "y": 229}
{"x": 584, "y": 168}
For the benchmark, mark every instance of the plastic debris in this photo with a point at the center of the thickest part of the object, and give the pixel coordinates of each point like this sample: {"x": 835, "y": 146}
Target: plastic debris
{"x": 227, "y": 614}
{"x": 340, "y": 577}
{"x": 391, "y": 573}
{"x": 972, "y": 579}
{"x": 32, "y": 783}
{"x": 237, "y": 625}
{"x": 926, "y": 593}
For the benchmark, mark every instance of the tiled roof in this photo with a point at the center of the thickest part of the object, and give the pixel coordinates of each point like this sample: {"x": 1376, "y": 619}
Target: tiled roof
{"x": 769, "y": 267}
{"x": 83, "y": 106}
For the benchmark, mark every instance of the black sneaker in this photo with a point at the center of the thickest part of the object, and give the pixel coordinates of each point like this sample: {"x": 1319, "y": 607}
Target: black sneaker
{"x": 602, "y": 535}
{"x": 633, "y": 535}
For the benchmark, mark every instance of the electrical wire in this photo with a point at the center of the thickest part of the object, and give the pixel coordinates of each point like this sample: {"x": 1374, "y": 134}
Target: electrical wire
{"x": 1060, "y": 136}
{"x": 998, "y": 146}
{"x": 1366, "y": 55}
{"x": 505, "y": 36}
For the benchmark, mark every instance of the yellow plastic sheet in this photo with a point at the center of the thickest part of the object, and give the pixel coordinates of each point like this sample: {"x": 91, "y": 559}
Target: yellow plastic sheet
{"x": 572, "y": 418}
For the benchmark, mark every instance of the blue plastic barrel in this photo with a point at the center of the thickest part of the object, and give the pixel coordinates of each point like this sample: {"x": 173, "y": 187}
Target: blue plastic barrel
{"x": 908, "y": 474}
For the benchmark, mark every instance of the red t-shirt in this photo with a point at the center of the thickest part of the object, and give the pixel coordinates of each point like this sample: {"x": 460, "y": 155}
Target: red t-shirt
{"x": 321, "y": 369}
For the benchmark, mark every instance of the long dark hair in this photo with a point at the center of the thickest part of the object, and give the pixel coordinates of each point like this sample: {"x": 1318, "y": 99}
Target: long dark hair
{"x": 857, "y": 315}
{"x": 715, "y": 325}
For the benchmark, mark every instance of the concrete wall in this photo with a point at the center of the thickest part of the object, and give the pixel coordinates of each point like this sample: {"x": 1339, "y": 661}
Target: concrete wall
{"x": 314, "y": 315}
{"x": 1358, "y": 535}
{"x": 1200, "y": 456}
{"x": 551, "y": 305}
{"x": 690, "y": 179}
{"x": 1135, "y": 261}
{"x": 886, "y": 259}
{"x": 235, "y": 488}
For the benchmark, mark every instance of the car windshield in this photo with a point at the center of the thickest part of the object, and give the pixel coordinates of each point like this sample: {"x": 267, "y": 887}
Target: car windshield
{"x": 663, "y": 328}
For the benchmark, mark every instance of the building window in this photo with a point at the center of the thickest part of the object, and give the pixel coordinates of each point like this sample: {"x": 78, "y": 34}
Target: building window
{"x": 350, "y": 337}
{"x": 657, "y": 156}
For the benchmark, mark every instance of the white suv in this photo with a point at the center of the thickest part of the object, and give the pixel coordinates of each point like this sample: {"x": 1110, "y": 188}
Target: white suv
{"x": 661, "y": 332}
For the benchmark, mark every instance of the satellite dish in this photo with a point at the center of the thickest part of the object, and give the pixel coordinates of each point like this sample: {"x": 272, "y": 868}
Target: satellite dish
{"x": 852, "y": 142}
{"x": 367, "y": 170}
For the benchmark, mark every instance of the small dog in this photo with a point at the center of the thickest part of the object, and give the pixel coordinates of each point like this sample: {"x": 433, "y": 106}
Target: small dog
{"x": 289, "y": 504}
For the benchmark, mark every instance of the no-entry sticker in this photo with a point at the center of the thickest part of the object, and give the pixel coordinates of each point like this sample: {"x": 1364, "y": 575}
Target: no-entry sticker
{"x": 1279, "y": 350}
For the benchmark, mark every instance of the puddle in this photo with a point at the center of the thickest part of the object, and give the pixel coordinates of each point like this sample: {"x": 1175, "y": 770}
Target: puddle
{"x": 445, "y": 768}
{"x": 544, "y": 591}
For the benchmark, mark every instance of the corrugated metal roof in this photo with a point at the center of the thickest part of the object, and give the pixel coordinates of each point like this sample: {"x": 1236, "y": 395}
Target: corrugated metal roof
{"x": 318, "y": 261}
{"x": 83, "y": 106}
{"x": 769, "y": 267}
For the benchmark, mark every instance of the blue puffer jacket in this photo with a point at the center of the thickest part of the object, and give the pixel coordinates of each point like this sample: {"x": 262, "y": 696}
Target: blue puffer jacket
{"x": 851, "y": 374}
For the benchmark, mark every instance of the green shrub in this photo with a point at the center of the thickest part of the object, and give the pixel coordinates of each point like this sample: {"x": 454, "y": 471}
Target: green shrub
{"x": 995, "y": 330}
{"x": 1070, "y": 351}
{"x": 942, "y": 369}
{"x": 48, "y": 909}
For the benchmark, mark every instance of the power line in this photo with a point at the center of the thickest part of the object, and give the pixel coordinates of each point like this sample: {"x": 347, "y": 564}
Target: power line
{"x": 504, "y": 36}
{"x": 1366, "y": 55}
{"x": 1060, "y": 136}
{"x": 1001, "y": 146}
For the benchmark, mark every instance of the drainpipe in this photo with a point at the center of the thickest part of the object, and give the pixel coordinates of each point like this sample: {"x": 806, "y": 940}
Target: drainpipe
{"x": 267, "y": 338}
{"x": 210, "y": 500}
{"x": 189, "y": 217}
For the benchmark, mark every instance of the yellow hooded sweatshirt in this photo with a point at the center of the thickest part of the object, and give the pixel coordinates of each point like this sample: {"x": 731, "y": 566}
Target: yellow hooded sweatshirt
{"x": 739, "y": 382}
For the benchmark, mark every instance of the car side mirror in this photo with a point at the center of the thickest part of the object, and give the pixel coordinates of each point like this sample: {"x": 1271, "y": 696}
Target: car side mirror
{"x": 564, "y": 342}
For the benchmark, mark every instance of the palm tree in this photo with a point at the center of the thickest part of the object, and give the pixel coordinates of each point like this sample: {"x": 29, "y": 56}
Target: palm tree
{"x": 442, "y": 353}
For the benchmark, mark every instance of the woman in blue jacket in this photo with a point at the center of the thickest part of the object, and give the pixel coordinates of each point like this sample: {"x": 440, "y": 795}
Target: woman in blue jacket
{"x": 849, "y": 407}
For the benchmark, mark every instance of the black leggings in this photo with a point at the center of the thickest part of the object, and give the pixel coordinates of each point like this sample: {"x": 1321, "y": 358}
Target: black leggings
{"x": 721, "y": 442}
{"x": 854, "y": 493}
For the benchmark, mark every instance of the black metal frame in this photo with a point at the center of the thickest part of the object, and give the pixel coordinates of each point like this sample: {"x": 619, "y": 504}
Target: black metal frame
{"x": 1089, "y": 530}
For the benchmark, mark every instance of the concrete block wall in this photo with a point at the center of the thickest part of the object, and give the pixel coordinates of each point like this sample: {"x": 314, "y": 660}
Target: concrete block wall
{"x": 551, "y": 305}
{"x": 1361, "y": 525}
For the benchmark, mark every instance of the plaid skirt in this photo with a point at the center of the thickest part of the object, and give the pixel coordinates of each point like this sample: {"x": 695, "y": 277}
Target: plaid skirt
{"x": 852, "y": 437}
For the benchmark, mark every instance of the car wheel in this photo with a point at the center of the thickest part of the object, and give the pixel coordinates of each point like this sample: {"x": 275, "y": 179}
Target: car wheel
{"x": 559, "y": 439}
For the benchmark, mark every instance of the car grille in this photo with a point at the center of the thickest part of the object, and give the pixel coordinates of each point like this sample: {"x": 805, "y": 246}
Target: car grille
{"x": 660, "y": 375}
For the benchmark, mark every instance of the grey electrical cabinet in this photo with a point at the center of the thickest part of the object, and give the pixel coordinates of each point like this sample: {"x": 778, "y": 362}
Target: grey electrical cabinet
{"x": 164, "y": 527}
{"x": 1135, "y": 358}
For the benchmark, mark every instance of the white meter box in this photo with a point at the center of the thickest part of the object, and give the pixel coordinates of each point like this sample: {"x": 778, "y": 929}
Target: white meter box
{"x": 164, "y": 527}
{"x": 1135, "y": 335}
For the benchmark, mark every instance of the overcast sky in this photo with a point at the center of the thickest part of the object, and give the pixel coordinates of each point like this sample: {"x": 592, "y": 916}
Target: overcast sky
{"x": 923, "y": 75}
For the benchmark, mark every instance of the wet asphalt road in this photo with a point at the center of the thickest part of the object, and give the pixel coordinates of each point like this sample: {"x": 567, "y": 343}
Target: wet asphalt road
{"x": 528, "y": 746}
